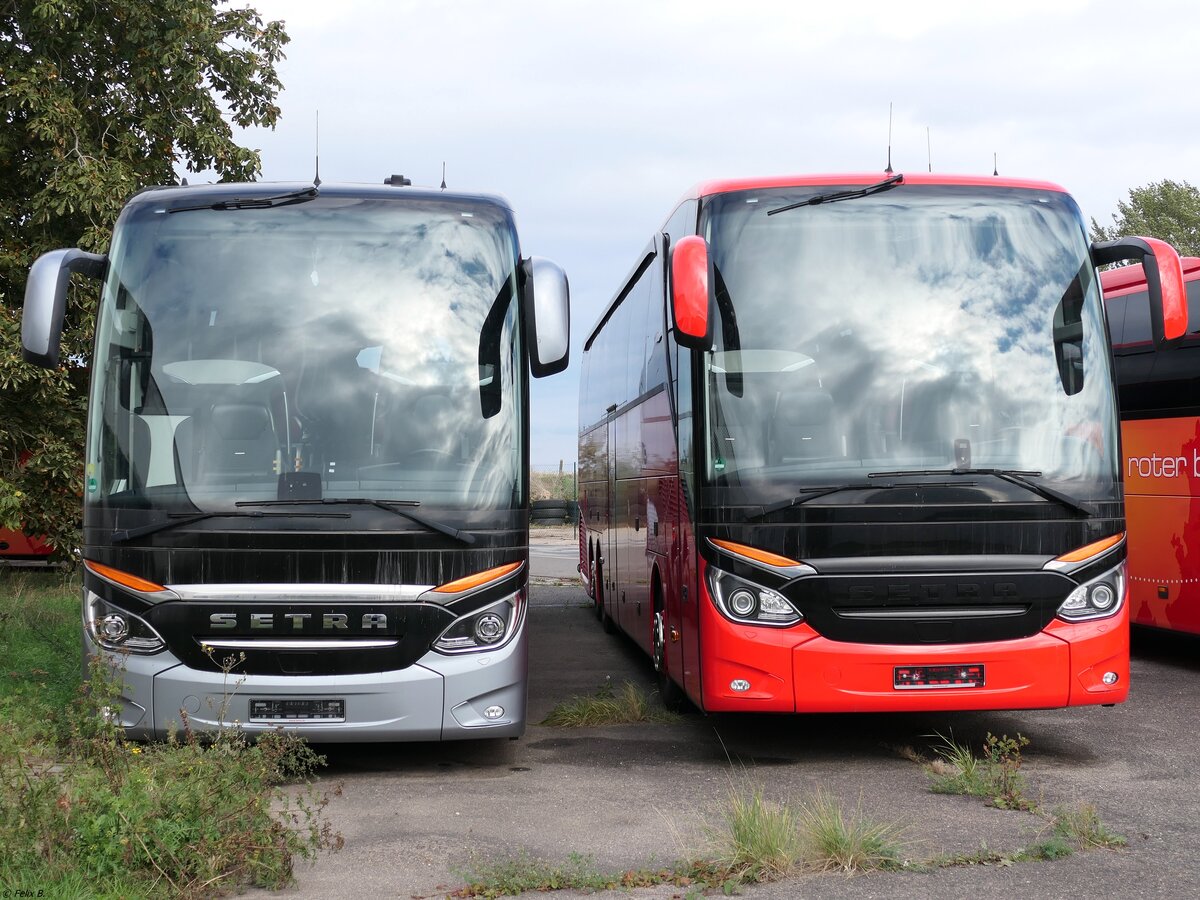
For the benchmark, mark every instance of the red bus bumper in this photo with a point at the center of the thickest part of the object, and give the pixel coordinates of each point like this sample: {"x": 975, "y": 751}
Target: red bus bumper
{"x": 797, "y": 670}
{"x": 17, "y": 548}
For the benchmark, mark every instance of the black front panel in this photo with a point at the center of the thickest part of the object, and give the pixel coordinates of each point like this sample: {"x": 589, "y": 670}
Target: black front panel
{"x": 207, "y": 556}
{"x": 962, "y": 607}
{"x": 372, "y": 547}
{"x": 190, "y": 627}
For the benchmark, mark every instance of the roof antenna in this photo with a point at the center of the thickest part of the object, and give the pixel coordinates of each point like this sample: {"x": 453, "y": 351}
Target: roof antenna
{"x": 443, "y": 174}
{"x": 888, "y": 170}
{"x": 928, "y": 149}
{"x": 317, "y": 146}
{"x": 995, "y": 167}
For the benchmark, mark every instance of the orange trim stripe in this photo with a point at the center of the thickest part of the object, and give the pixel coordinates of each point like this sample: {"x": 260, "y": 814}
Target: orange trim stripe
{"x": 124, "y": 578}
{"x": 474, "y": 581}
{"x": 762, "y": 556}
{"x": 1094, "y": 549}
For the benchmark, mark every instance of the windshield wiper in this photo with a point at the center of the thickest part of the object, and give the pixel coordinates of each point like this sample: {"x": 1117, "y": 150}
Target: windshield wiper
{"x": 398, "y": 507}
{"x": 1019, "y": 477}
{"x": 853, "y": 194}
{"x": 302, "y": 196}
{"x": 178, "y": 520}
{"x": 813, "y": 493}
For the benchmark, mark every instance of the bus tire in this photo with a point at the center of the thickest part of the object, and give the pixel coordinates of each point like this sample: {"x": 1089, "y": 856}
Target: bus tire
{"x": 602, "y": 613}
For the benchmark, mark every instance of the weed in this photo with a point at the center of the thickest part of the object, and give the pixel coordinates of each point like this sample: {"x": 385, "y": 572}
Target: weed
{"x": 521, "y": 873}
{"x": 996, "y": 775}
{"x": 627, "y": 705}
{"x": 179, "y": 818}
{"x": 1003, "y": 765}
{"x": 1053, "y": 847}
{"x": 757, "y": 840}
{"x": 39, "y": 646}
{"x": 1081, "y": 825}
{"x": 837, "y": 842}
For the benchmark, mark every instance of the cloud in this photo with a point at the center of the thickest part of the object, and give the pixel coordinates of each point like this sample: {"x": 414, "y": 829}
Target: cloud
{"x": 592, "y": 118}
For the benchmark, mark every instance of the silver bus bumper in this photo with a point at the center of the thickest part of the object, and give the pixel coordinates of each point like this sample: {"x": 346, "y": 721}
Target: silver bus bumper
{"x": 439, "y": 697}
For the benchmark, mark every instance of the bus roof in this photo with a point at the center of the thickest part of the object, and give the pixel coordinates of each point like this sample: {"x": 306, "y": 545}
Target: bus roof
{"x": 1127, "y": 279}
{"x": 729, "y": 185}
{"x": 215, "y": 193}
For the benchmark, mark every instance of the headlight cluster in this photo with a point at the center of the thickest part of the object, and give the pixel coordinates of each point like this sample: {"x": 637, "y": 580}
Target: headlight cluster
{"x": 1096, "y": 599}
{"x": 484, "y": 629}
{"x": 114, "y": 628}
{"x": 745, "y": 601}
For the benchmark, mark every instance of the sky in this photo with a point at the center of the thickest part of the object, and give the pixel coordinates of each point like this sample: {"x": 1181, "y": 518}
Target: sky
{"x": 593, "y": 118}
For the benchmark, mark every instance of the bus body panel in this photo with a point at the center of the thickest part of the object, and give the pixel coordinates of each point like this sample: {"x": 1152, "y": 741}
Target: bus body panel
{"x": 1160, "y": 436}
{"x": 1162, "y": 505}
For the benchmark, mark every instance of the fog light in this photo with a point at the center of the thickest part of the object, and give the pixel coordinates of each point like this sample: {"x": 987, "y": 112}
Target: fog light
{"x": 114, "y": 628}
{"x": 739, "y": 685}
{"x": 493, "y": 712}
{"x": 1111, "y": 678}
{"x": 489, "y": 628}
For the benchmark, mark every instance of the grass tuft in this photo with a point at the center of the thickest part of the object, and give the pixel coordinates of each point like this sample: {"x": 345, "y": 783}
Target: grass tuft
{"x": 628, "y": 705}
{"x": 1081, "y": 825}
{"x": 757, "y": 840}
{"x": 835, "y": 841}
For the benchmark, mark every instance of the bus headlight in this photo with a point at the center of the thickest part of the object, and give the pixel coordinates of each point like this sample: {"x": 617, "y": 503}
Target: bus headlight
{"x": 484, "y": 629}
{"x": 745, "y": 601}
{"x": 1095, "y": 599}
{"x": 114, "y": 628}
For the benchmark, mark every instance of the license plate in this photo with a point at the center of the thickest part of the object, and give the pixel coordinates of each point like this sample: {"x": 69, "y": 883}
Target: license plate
{"x": 913, "y": 678}
{"x": 297, "y": 709}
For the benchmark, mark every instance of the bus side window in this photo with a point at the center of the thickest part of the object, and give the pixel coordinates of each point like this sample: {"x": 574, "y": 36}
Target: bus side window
{"x": 1115, "y": 311}
{"x": 1193, "y": 303}
{"x": 1135, "y": 335}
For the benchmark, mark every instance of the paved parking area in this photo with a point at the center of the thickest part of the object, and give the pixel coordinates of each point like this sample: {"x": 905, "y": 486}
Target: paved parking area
{"x": 416, "y": 816}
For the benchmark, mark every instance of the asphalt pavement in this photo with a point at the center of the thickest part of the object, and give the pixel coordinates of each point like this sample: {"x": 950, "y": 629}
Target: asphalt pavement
{"x": 418, "y": 817}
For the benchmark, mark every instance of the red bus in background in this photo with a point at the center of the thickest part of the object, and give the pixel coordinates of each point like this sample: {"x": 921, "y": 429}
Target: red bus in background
{"x": 851, "y": 445}
{"x": 1159, "y": 394}
{"x": 16, "y": 549}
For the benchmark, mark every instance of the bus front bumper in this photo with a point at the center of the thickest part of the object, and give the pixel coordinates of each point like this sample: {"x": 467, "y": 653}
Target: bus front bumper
{"x": 469, "y": 696}
{"x": 797, "y": 670}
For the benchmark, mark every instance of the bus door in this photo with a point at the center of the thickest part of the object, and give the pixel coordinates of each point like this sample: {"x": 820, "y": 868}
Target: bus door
{"x": 629, "y": 532}
{"x": 683, "y": 608}
{"x": 608, "y": 540}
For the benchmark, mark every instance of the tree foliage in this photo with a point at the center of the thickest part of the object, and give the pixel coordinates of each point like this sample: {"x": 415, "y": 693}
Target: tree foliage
{"x": 99, "y": 98}
{"x": 1168, "y": 210}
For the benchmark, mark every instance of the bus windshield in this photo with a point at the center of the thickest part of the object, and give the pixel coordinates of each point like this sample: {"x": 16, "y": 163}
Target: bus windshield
{"x": 341, "y": 347}
{"x": 922, "y": 329}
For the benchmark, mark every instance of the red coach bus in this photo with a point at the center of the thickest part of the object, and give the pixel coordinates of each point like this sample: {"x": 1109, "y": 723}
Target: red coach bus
{"x": 18, "y": 549}
{"x": 852, "y": 445}
{"x": 1159, "y": 392}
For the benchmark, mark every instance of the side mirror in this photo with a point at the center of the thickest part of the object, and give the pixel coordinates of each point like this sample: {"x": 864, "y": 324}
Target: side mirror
{"x": 546, "y": 303}
{"x": 692, "y": 281}
{"x": 46, "y": 301}
{"x": 1164, "y": 281}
